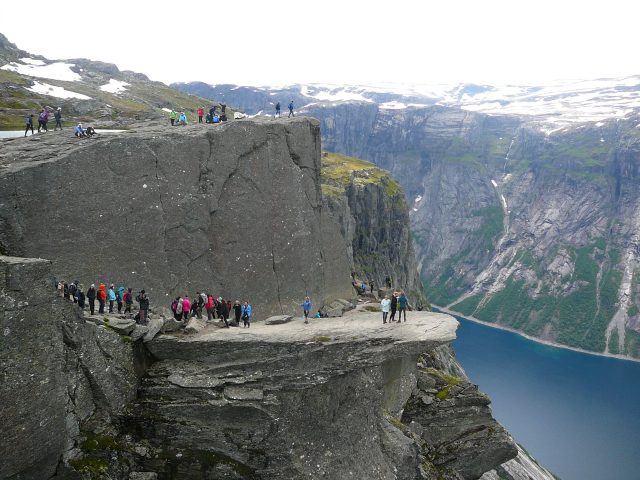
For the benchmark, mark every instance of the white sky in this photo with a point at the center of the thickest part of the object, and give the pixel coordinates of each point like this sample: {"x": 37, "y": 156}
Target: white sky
{"x": 260, "y": 42}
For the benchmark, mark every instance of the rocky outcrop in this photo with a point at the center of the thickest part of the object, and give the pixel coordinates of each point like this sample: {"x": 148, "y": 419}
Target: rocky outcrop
{"x": 60, "y": 374}
{"x": 372, "y": 212}
{"x": 234, "y": 209}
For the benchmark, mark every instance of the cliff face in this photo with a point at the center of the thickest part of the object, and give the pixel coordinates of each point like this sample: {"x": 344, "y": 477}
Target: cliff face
{"x": 374, "y": 220}
{"x": 339, "y": 398}
{"x": 233, "y": 209}
{"x": 512, "y": 225}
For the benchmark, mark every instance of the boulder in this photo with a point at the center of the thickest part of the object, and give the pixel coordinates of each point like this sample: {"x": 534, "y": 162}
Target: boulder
{"x": 278, "y": 319}
{"x": 139, "y": 332}
{"x": 195, "y": 325}
{"x": 154, "y": 326}
{"x": 171, "y": 325}
{"x": 124, "y": 326}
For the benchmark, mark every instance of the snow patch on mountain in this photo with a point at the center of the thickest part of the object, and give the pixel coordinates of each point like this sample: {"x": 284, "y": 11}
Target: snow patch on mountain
{"x": 53, "y": 91}
{"x": 53, "y": 71}
{"x": 115, "y": 86}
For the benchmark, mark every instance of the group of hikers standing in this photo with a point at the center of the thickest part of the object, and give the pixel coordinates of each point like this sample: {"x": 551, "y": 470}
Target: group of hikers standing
{"x": 121, "y": 297}
{"x": 184, "y": 308}
{"x": 397, "y": 303}
{"x": 43, "y": 119}
{"x": 211, "y": 117}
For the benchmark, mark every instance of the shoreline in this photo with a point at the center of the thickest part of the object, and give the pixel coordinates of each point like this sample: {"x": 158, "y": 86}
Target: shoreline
{"x": 548, "y": 343}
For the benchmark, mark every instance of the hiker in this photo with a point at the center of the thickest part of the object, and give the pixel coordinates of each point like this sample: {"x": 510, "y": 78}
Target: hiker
{"x": 182, "y": 119}
{"x": 102, "y": 297}
{"x": 28, "y": 124}
{"x": 72, "y": 289}
{"x": 223, "y": 312}
{"x": 200, "y": 114}
{"x": 198, "y": 303}
{"x": 91, "y": 296}
{"x": 90, "y": 131}
{"x": 143, "y": 300}
{"x": 223, "y": 108}
{"x": 60, "y": 288}
{"x": 79, "y": 132}
{"x": 207, "y": 118}
{"x": 112, "y": 297}
{"x": 186, "y": 307}
{"x": 81, "y": 297}
{"x": 246, "y": 314}
{"x": 172, "y": 117}
{"x": 223, "y": 117}
{"x": 210, "y": 307}
{"x": 394, "y": 306}
{"x": 212, "y": 111}
{"x": 306, "y": 308}
{"x": 291, "y": 110}
{"x": 43, "y": 118}
{"x": 237, "y": 310}
{"x": 119, "y": 298}
{"x": 403, "y": 301}
{"x": 278, "y": 109}
{"x": 128, "y": 300}
{"x": 174, "y": 307}
{"x": 58, "y": 116}
{"x": 387, "y": 282}
{"x": 371, "y": 285}
{"x": 385, "y": 305}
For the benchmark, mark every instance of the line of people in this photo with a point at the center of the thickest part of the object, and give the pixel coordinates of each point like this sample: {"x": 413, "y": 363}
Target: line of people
{"x": 397, "y": 303}
{"x": 211, "y": 117}
{"x": 183, "y": 308}
{"x": 121, "y": 297}
{"x": 43, "y": 120}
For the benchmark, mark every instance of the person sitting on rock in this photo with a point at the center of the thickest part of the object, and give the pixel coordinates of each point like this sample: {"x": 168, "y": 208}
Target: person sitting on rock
{"x": 223, "y": 117}
{"x": 90, "y": 132}
{"x": 79, "y": 131}
{"x": 182, "y": 120}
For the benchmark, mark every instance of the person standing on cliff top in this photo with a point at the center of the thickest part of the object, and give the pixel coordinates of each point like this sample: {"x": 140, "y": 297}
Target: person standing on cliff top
{"x": 112, "y": 297}
{"x": 200, "y": 114}
{"x": 58, "y": 116}
{"x": 29, "y": 124}
{"x": 306, "y": 308}
{"x": 403, "y": 301}
{"x": 278, "y": 110}
{"x": 102, "y": 297}
{"x": 385, "y": 305}
{"x": 128, "y": 300}
{"x": 91, "y": 296}
{"x": 246, "y": 314}
{"x": 394, "y": 306}
{"x": 172, "y": 117}
{"x": 291, "y": 110}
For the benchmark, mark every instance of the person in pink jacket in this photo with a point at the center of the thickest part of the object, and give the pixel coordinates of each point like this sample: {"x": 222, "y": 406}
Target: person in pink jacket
{"x": 186, "y": 307}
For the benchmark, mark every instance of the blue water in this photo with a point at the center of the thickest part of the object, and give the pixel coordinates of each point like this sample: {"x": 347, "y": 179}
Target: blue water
{"x": 577, "y": 414}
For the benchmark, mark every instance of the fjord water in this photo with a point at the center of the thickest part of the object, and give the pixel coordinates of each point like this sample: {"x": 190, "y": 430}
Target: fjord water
{"x": 577, "y": 414}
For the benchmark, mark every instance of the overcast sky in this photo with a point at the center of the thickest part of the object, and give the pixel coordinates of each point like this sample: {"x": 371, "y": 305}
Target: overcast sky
{"x": 259, "y": 42}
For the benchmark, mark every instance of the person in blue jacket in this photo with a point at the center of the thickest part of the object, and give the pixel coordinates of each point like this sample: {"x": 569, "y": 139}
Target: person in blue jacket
{"x": 306, "y": 308}
{"x": 111, "y": 295}
{"x": 246, "y": 314}
{"x": 291, "y": 110}
{"x": 119, "y": 298}
{"x": 182, "y": 119}
{"x": 403, "y": 302}
{"x": 79, "y": 132}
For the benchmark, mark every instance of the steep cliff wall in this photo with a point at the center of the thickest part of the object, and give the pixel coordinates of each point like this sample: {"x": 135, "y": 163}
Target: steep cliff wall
{"x": 513, "y": 225}
{"x": 374, "y": 220}
{"x": 234, "y": 209}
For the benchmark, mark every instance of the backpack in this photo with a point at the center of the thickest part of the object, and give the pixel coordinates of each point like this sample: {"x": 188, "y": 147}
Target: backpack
{"x": 174, "y": 305}
{"x": 27, "y": 119}
{"x": 179, "y": 306}
{"x": 216, "y": 119}
{"x": 43, "y": 116}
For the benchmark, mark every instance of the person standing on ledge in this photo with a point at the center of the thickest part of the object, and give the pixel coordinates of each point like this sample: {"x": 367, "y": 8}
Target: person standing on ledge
{"x": 403, "y": 301}
{"x": 172, "y": 117}
{"x": 394, "y": 306}
{"x": 306, "y": 308}
{"x": 385, "y": 305}
{"x": 143, "y": 300}
{"x": 91, "y": 297}
{"x": 291, "y": 110}
{"x": 58, "y": 116}
{"x": 200, "y": 114}
{"x": 29, "y": 124}
{"x": 278, "y": 110}
{"x": 246, "y": 314}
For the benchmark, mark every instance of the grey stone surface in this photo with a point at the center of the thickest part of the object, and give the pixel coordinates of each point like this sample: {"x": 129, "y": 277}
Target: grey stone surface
{"x": 195, "y": 325}
{"x": 143, "y": 476}
{"x": 172, "y": 325}
{"x": 33, "y": 387}
{"x": 123, "y": 326}
{"x": 254, "y": 176}
{"x": 278, "y": 319}
{"x": 154, "y": 326}
{"x": 139, "y": 332}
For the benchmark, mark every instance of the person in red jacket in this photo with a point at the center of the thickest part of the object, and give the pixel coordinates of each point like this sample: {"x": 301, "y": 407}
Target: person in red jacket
{"x": 102, "y": 297}
{"x": 200, "y": 114}
{"x": 186, "y": 307}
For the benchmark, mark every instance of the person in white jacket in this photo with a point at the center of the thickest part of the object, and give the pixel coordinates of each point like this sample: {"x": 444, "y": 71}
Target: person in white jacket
{"x": 386, "y": 305}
